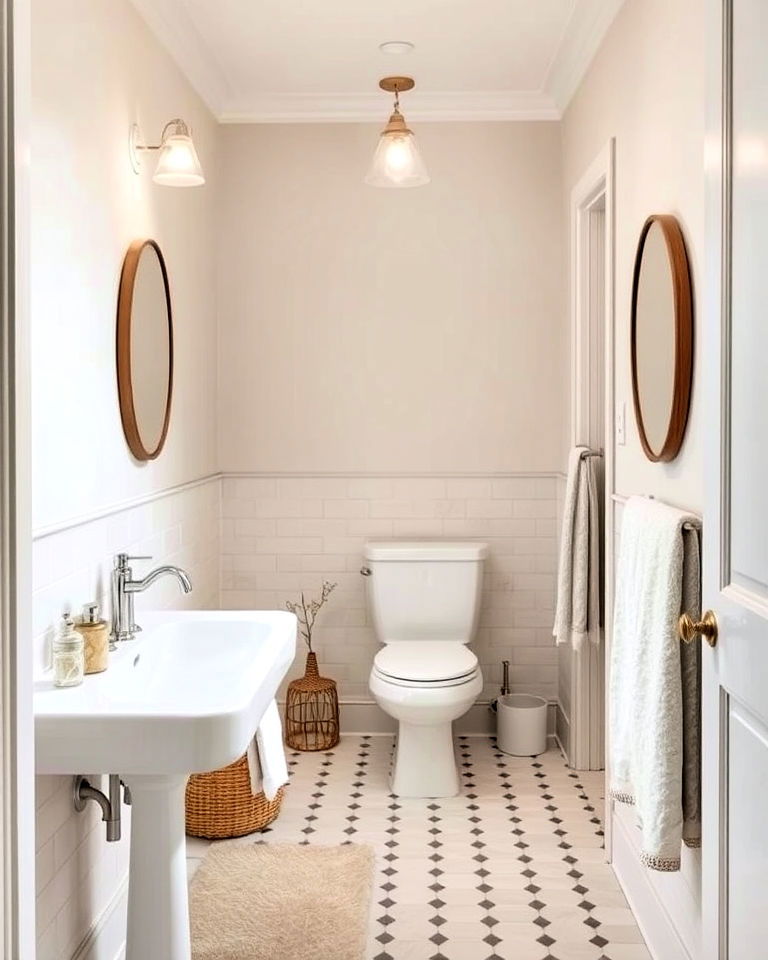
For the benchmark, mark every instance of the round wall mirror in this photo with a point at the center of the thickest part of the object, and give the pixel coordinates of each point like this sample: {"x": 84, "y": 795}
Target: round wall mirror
{"x": 144, "y": 349}
{"x": 662, "y": 337}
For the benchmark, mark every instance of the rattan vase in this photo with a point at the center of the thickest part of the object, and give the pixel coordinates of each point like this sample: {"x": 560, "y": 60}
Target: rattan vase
{"x": 312, "y": 710}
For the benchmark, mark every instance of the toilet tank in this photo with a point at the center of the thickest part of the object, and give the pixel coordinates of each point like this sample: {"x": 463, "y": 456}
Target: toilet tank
{"x": 424, "y": 590}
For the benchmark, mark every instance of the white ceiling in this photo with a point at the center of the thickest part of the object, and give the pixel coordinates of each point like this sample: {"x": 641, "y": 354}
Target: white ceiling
{"x": 315, "y": 60}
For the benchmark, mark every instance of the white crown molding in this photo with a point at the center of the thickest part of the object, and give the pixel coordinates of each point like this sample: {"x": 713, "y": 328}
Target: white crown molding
{"x": 589, "y": 22}
{"x": 417, "y": 106}
{"x": 172, "y": 26}
{"x": 582, "y": 37}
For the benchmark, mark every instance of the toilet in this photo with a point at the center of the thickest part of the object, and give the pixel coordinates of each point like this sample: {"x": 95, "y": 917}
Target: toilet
{"x": 424, "y": 597}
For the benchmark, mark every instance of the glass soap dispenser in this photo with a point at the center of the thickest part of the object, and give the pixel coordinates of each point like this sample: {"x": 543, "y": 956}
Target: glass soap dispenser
{"x": 68, "y": 655}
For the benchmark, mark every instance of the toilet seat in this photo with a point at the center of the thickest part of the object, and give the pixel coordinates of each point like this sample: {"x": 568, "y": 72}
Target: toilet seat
{"x": 426, "y": 663}
{"x": 426, "y": 684}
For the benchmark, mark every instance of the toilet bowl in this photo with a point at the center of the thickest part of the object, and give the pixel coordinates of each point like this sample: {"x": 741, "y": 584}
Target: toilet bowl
{"x": 424, "y": 598}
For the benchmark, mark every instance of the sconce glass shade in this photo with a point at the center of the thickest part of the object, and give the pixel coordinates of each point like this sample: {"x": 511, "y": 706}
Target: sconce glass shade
{"x": 397, "y": 161}
{"x": 178, "y": 164}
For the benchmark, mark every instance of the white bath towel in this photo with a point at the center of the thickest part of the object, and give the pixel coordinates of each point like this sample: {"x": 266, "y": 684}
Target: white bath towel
{"x": 655, "y": 679}
{"x": 266, "y": 755}
{"x": 577, "y": 615}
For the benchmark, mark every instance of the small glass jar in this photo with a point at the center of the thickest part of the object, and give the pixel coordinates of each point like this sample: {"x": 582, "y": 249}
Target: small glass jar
{"x": 68, "y": 655}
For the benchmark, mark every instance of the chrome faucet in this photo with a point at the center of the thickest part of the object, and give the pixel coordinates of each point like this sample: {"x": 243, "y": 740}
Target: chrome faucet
{"x": 124, "y": 626}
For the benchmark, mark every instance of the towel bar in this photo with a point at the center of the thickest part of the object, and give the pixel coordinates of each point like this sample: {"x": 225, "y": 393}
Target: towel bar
{"x": 618, "y": 498}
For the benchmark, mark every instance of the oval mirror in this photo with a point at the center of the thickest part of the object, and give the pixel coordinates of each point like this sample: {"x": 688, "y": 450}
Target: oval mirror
{"x": 144, "y": 349}
{"x": 662, "y": 337}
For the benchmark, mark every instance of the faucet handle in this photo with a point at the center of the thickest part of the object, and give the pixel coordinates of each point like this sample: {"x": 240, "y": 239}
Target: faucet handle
{"x": 123, "y": 559}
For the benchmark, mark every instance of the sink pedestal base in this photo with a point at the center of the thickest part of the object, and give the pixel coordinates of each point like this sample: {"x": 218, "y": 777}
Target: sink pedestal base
{"x": 158, "y": 906}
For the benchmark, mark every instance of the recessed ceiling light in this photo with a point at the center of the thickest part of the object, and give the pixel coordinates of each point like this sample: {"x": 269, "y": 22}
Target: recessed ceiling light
{"x": 397, "y": 47}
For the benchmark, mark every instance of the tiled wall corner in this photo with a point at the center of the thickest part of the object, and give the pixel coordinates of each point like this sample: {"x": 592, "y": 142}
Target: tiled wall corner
{"x": 78, "y": 872}
{"x": 284, "y": 534}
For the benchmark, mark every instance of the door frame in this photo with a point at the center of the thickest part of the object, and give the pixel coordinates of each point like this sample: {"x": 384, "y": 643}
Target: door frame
{"x": 595, "y": 189}
{"x": 17, "y": 793}
{"x": 715, "y": 700}
{"x": 717, "y": 202}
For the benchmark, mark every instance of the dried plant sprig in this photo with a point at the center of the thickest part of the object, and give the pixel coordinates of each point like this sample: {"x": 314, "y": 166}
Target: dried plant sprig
{"x": 306, "y": 611}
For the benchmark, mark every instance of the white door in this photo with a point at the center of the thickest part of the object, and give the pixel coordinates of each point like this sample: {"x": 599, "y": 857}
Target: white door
{"x": 735, "y": 387}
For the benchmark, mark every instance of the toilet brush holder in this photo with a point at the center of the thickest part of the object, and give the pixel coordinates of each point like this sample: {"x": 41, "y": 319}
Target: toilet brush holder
{"x": 522, "y": 724}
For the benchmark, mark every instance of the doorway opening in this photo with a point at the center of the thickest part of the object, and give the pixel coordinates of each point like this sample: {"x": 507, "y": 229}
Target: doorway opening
{"x": 582, "y": 673}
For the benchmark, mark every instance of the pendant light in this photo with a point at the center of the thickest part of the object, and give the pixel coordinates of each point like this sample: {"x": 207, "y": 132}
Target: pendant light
{"x": 397, "y": 161}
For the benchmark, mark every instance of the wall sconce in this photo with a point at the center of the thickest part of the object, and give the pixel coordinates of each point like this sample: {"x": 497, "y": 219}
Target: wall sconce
{"x": 178, "y": 164}
{"x": 397, "y": 161}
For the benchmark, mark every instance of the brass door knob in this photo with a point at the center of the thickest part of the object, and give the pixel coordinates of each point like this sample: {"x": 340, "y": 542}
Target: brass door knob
{"x": 688, "y": 628}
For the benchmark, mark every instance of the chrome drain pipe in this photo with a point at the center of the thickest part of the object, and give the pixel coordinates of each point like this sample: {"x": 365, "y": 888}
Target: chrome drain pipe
{"x": 110, "y": 805}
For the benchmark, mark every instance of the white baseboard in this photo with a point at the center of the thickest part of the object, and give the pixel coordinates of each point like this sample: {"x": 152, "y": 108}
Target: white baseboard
{"x": 562, "y": 729}
{"x": 366, "y": 716}
{"x": 656, "y": 925}
{"x": 106, "y": 938}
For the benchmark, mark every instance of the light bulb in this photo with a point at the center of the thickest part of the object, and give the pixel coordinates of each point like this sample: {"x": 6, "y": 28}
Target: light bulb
{"x": 398, "y": 154}
{"x": 178, "y": 164}
{"x": 397, "y": 163}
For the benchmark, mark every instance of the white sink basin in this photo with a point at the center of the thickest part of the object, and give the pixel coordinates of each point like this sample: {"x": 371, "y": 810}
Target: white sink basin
{"x": 185, "y": 697}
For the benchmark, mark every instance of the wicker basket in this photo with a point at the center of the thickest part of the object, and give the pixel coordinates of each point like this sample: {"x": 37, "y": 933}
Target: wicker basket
{"x": 220, "y": 804}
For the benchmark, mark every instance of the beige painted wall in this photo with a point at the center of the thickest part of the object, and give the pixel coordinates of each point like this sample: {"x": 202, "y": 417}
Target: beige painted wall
{"x": 646, "y": 88}
{"x": 384, "y": 331}
{"x": 96, "y": 68}
{"x": 360, "y": 330}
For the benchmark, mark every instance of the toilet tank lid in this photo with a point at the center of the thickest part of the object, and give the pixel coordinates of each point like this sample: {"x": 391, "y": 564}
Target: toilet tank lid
{"x": 419, "y": 550}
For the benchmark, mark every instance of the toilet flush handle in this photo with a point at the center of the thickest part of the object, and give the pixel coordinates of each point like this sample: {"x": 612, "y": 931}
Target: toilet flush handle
{"x": 366, "y": 571}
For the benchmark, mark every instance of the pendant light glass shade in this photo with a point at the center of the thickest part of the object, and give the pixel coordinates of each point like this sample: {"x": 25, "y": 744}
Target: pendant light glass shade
{"x": 178, "y": 164}
{"x": 397, "y": 162}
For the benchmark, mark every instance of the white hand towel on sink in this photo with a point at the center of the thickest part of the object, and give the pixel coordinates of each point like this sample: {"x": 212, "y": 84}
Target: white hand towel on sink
{"x": 655, "y": 679}
{"x": 266, "y": 755}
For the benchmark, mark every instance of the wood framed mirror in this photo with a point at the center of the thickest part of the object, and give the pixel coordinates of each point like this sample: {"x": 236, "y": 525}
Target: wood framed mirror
{"x": 144, "y": 349}
{"x": 662, "y": 337}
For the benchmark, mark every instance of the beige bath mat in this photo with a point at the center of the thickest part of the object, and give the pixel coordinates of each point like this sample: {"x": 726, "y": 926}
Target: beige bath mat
{"x": 281, "y": 902}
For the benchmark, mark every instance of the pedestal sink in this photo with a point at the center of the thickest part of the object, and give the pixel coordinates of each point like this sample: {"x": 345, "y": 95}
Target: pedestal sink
{"x": 184, "y": 698}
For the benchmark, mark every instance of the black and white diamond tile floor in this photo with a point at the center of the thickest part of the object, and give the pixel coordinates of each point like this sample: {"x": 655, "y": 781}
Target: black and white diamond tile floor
{"x": 512, "y": 869}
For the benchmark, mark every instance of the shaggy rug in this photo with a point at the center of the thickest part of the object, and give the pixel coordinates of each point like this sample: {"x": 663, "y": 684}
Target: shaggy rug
{"x": 281, "y": 902}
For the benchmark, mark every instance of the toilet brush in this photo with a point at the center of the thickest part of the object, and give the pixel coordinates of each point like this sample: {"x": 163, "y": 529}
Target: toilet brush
{"x": 493, "y": 706}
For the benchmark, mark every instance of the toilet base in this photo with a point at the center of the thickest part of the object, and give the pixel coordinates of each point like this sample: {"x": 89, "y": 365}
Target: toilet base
{"x": 424, "y": 764}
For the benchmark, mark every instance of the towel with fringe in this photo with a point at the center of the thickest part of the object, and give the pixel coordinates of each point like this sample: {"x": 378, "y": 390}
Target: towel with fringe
{"x": 655, "y": 681}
